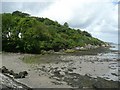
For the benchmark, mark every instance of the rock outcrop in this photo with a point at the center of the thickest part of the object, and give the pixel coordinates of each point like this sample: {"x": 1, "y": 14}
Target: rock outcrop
{"x": 7, "y": 83}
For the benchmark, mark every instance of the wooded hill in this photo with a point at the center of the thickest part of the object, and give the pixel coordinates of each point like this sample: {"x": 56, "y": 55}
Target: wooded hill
{"x": 24, "y": 33}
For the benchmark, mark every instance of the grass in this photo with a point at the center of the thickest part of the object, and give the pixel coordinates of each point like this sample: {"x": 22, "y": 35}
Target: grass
{"x": 70, "y": 51}
{"x": 40, "y": 59}
{"x": 31, "y": 59}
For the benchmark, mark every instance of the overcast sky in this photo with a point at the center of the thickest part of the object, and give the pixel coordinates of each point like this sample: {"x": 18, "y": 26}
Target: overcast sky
{"x": 98, "y": 17}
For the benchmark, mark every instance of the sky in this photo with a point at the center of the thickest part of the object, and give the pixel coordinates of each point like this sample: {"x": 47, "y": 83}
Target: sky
{"x": 98, "y": 17}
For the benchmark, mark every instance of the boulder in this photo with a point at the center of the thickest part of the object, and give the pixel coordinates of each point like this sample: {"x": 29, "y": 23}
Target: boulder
{"x": 25, "y": 73}
{"x": 21, "y": 75}
{"x": 114, "y": 74}
{"x": 4, "y": 70}
{"x": 11, "y": 72}
{"x": 16, "y": 76}
{"x": 8, "y": 83}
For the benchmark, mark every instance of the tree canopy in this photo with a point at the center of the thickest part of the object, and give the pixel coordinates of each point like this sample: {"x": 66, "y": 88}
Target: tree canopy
{"x": 24, "y": 33}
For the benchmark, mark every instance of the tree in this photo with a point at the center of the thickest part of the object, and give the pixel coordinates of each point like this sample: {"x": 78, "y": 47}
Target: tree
{"x": 18, "y": 13}
{"x": 86, "y": 34}
{"x": 40, "y": 34}
{"x": 66, "y": 24}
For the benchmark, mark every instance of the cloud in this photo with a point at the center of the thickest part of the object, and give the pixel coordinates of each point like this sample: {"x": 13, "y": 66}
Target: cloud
{"x": 28, "y": 7}
{"x": 99, "y": 17}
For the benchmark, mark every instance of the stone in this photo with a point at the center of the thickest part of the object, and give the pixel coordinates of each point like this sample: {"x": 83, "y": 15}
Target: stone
{"x": 4, "y": 70}
{"x": 71, "y": 70}
{"x": 114, "y": 74}
{"x": 16, "y": 76}
{"x": 57, "y": 72}
{"x": 74, "y": 68}
{"x": 21, "y": 75}
{"x": 43, "y": 66}
{"x": 11, "y": 72}
{"x": 25, "y": 73}
{"x": 8, "y": 83}
{"x": 62, "y": 73}
{"x": 77, "y": 48}
{"x": 63, "y": 67}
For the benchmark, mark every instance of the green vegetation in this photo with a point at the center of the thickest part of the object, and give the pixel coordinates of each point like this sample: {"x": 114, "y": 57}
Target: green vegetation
{"x": 32, "y": 59}
{"x": 24, "y": 33}
{"x": 42, "y": 59}
{"x": 70, "y": 51}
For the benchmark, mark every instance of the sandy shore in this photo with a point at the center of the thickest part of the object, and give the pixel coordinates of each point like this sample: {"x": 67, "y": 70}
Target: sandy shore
{"x": 41, "y": 74}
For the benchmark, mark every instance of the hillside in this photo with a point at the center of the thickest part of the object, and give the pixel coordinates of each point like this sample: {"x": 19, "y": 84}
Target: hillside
{"x": 24, "y": 33}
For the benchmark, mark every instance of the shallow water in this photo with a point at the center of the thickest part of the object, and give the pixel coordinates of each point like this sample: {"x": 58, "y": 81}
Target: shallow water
{"x": 115, "y": 47}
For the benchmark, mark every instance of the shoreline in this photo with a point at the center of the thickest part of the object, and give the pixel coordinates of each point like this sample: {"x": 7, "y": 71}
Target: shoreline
{"x": 41, "y": 74}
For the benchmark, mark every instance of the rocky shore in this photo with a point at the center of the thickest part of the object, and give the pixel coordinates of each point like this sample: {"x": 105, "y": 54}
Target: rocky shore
{"x": 66, "y": 70}
{"x": 7, "y": 83}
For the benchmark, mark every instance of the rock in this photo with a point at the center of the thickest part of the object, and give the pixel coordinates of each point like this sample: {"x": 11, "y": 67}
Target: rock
{"x": 63, "y": 67}
{"x": 118, "y": 59}
{"x": 57, "y": 83}
{"x": 77, "y": 48}
{"x": 21, "y": 75}
{"x": 56, "y": 78}
{"x": 74, "y": 68}
{"x": 4, "y": 70}
{"x": 82, "y": 48}
{"x": 50, "y": 51}
{"x": 114, "y": 74}
{"x": 98, "y": 85}
{"x": 16, "y": 76}
{"x": 102, "y": 83}
{"x": 11, "y": 72}
{"x": 62, "y": 73}
{"x": 8, "y": 83}
{"x": 56, "y": 62}
{"x": 3, "y": 67}
{"x": 43, "y": 52}
{"x": 57, "y": 72}
{"x": 0, "y": 70}
{"x": 92, "y": 61}
{"x": 88, "y": 75}
{"x": 66, "y": 72}
{"x": 89, "y": 46}
{"x": 43, "y": 66}
{"x": 25, "y": 73}
{"x": 71, "y": 70}
{"x": 56, "y": 68}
